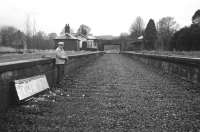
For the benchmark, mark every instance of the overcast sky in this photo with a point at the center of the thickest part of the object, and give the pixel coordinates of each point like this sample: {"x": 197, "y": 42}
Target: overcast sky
{"x": 105, "y": 17}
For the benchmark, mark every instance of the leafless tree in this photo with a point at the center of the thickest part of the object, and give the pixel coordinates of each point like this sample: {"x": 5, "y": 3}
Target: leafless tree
{"x": 28, "y": 26}
{"x": 84, "y": 30}
{"x": 137, "y": 28}
{"x": 166, "y": 27}
{"x": 52, "y": 35}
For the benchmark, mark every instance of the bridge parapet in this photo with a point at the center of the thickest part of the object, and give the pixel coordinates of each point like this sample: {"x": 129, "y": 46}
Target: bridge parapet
{"x": 10, "y": 71}
{"x": 184, "y": 67}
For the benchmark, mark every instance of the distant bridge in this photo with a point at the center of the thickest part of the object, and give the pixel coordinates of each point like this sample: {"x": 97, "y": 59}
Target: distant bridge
{"x": 111, "y": 43}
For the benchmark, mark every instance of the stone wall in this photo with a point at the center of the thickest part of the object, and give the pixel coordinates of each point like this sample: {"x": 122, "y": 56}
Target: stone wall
{"x": 183, "y": 67}
{"x": 15, "y": 70}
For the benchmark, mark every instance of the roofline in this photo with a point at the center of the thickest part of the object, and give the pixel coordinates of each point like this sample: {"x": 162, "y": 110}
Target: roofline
{"x": 64, "y": 39}
{"x": 92, "y": 39}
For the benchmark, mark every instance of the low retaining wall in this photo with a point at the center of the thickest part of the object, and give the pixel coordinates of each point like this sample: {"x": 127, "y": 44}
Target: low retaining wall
{"x": 185, "y": 68}
{"x": 15, "y": 70}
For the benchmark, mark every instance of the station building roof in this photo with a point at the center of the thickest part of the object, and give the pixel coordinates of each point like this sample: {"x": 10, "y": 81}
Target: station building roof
{"x": 67, "y": 36}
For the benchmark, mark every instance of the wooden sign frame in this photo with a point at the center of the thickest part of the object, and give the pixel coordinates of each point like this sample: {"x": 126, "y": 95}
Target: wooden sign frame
{"x": 31, "y": 86}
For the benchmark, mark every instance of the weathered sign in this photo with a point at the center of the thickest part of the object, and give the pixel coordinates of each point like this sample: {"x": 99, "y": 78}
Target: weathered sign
{"x": 30, "y": 86}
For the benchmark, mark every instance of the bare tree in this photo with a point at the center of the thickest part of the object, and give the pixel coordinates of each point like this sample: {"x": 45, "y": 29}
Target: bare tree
{"x": 28, "y": 32}
{"x": 84, "y": 30}
{"x": 166, "y": 26}
{"x": 137, "y": 28}
{"x": 34, "y": 27}
{"x": 62, "y": 32}
{"x": 42, "y": 41}
{"x": 52, "y": 35}
{"x": 28, "y": 26}
{"x": 31, "y": 33}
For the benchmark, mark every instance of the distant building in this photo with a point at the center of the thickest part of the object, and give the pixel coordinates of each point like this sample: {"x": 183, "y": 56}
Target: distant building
{"x": 70, "y": 42}
{"x": 87, "y": 42}
{"x": 76, "y": 41}
{"x": 83, "y": 41}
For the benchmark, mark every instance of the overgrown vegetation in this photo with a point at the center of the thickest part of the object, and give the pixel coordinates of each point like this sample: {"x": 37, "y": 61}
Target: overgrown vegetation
{"x": 12, "y": 37}
{"x": 187, "y": 38}
{"x": 28, "y": 39}
{"x": 165, "y": 35}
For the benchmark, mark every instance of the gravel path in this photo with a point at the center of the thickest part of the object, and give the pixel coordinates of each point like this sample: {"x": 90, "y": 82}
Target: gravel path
{"x": 112, "y": 94}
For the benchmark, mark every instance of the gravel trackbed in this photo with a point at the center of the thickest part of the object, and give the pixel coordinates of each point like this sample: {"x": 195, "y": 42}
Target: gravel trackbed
{"x": 111, "y": 94}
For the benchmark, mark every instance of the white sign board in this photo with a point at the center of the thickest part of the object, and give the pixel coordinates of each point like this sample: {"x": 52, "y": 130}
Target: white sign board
{"x": 30, "y": 86}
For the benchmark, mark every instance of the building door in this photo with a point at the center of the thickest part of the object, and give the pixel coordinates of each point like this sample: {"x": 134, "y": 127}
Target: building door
{"x": 84, "y": 45}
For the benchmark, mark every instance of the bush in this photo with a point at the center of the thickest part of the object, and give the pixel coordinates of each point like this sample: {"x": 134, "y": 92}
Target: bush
{"x": 186, "y": 39}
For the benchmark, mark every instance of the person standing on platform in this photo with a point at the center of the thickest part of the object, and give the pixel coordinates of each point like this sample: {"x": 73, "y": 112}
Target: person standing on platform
{"x": 61, "y": 59}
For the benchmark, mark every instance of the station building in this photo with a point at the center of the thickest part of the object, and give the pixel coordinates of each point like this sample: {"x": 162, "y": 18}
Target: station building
{"x": 71, "y": 43}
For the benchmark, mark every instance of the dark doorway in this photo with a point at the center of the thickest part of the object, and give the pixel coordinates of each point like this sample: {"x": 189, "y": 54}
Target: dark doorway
{"x": 84, "y": 46}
